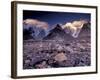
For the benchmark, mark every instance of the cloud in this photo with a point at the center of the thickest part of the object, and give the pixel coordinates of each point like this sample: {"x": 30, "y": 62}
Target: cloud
{"x": 74, "y": 27}
{"x": 37, "y": 23}
{"x": 77, "y": 24}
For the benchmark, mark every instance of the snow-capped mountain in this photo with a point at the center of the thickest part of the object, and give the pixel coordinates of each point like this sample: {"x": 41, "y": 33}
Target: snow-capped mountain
{"x": 59, "y": 32}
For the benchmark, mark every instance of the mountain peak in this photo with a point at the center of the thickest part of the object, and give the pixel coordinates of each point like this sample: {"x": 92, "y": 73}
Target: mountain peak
{"x": 57, "y": 33}
{"x": 58, "y": 26}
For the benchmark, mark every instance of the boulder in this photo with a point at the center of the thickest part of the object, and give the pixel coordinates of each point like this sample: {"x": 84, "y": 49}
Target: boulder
{"x": 60, "y": 57}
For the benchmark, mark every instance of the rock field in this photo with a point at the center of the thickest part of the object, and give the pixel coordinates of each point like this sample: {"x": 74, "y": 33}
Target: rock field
{"x": 56, "y": 54}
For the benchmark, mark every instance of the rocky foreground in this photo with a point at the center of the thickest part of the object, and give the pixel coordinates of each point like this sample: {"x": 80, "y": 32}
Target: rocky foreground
{"x": 55, "y": 54}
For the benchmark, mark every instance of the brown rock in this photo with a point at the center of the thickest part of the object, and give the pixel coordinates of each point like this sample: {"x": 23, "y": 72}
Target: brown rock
{"x": 60, "y": 57}
{"x": 42, "y": 65}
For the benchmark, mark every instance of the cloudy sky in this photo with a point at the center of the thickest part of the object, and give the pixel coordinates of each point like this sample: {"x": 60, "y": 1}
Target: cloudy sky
{"x": 53, "y": 18}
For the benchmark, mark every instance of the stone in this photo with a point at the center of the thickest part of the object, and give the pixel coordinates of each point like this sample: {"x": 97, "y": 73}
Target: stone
{"x": 69, "y": 49}
{"x": 41, "y": 65}
{"x": 80, "y": 46}
{"x": 27, "y": 61}
{"x": 60, "y": 57}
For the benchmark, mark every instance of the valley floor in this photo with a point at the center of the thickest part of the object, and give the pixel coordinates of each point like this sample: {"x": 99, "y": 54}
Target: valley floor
{"x": 56, "y": 53}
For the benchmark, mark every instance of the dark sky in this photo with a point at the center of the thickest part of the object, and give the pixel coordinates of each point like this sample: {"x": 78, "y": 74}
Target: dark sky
{"x": 53, "y": 18}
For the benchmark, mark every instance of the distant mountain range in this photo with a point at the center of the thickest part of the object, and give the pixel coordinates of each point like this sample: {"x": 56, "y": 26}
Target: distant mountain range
{"x": 57, "y": 33}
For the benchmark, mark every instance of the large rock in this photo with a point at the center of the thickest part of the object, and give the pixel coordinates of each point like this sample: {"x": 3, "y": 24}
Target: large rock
{"x": 41, "y": 65}
{"x": 60, "y": 57}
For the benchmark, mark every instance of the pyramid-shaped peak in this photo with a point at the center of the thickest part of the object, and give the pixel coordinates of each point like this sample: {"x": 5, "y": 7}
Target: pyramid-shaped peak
{"x": 58, "y": 26}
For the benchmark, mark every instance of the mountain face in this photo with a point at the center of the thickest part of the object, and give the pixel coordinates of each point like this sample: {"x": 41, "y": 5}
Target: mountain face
{"x": 86, "y": 27}
{"x": 27, "y": 34}
{"x": 33, "y": 32}
{"x": 58, "y": 34}
{"x": 85, "y": 31}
